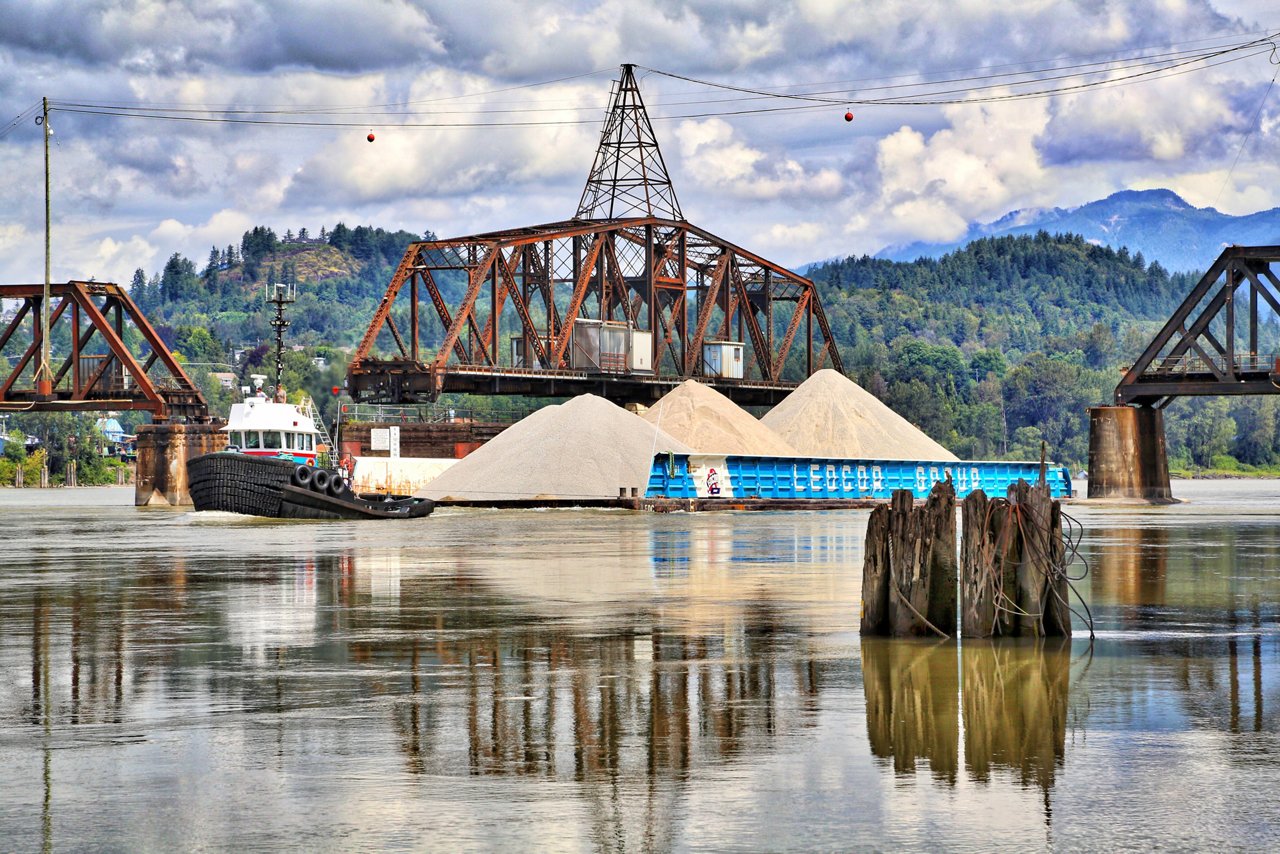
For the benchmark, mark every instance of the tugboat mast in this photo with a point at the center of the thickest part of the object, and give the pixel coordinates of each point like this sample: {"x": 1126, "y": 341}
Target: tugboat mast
{"x": 280, "y": 297}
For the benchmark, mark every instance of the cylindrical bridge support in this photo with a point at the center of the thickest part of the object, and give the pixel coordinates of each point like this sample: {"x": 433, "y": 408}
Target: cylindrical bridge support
{"x": 163, "y": 451}
{"x": 1127, "y": 455}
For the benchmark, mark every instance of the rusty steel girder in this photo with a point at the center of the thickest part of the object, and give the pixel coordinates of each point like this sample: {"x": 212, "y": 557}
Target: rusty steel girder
{"x": 1210, "y": 346}
{"x": 667, "y": 277}
{"x": 113, "y": 378}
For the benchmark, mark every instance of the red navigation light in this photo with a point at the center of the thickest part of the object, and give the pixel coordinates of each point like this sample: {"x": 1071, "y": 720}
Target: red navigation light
{"x": 344, "y": 407}
{"x": 370, "y": 136}
{"x": 848, "y": 117}
{"x": 337, "y": 391}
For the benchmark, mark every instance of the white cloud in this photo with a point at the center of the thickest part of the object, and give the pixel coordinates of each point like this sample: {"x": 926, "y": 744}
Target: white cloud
{"x": 804, "y": 185}
{"x": 930, "y": 188}
{"x": 715, "y": 158}
{"x": 115, "y": 261}
{"x": 795, "y": 235}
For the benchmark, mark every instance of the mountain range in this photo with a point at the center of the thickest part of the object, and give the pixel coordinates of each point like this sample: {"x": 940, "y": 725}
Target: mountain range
{"x": 1158, "y": 223}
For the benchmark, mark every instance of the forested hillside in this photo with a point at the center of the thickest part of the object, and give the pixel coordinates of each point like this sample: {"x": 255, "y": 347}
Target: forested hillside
{"x": 1006, "y": 342}
{"x": 339, "y": 273}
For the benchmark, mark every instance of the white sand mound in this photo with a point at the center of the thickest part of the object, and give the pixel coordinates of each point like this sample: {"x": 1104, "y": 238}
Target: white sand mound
{"x": 586, "y": 448}
{"x": 706, "y": 420}
{"x": 829, "y": 415}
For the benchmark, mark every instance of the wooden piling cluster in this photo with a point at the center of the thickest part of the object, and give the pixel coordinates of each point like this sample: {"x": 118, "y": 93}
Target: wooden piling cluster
{"x": 1011, "y": 570}
{"x": 909, "y": 572}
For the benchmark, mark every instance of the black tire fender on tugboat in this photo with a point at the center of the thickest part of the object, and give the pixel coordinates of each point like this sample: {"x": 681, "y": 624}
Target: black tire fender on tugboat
{"x": 337, "y": 486}
{"x": 302, "y": 476}
{"x": 320, "y": 481}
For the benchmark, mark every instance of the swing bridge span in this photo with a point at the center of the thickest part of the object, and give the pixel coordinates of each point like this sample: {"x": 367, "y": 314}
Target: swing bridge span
{"x": 627, "y": 299}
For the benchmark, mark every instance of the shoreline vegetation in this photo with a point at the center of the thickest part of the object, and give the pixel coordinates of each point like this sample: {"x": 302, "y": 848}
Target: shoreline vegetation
{"x": 1224, "y": 474}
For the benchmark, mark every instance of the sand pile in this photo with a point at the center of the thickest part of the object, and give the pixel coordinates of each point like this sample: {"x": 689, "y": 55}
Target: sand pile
{"x": 586, "y": 448}
{"x": 706, "y": 420}
{"x": 829, "y": 415}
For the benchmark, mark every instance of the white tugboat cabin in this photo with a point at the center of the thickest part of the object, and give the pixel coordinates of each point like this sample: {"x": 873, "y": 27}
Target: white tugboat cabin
{"x": 261, "y": 427}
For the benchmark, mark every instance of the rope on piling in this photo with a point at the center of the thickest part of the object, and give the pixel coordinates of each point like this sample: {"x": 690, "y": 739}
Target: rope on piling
{"x": 1031, "y": 532}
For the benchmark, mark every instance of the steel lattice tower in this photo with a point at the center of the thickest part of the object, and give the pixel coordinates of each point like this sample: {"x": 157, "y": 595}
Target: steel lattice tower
{"x": 629, "y": 177}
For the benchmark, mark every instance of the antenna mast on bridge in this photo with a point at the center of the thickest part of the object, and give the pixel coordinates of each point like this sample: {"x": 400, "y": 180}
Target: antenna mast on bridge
{"x": 629, "y": 177}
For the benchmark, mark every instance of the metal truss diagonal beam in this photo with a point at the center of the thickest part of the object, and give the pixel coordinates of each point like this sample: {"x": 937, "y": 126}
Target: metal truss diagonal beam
{"x": 1187, "y": 356}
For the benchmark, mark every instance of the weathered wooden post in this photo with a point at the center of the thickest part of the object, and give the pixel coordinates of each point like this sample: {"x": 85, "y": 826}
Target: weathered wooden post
{"x": 978, "y": 544}
{"x": 17, "y": 476}
{"x": 1013, "y": 565}
{"x": 876, "y": 574}
{"x": 44, "y": 476}
{"x": 909, "y": 568}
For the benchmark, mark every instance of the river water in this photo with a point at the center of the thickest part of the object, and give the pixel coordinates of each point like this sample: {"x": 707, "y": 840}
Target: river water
{"x": 590, "y": 680}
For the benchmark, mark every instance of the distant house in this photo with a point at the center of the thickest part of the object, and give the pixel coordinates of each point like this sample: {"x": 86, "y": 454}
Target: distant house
{"x": 116, "y": 442}
{"x": 320, "y": 362}
{"x": 226, "y": 379}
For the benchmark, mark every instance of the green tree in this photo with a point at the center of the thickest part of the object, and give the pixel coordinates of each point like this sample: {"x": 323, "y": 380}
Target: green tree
{"x": 1203, "y": 431}
{"x": 178, "y": 282}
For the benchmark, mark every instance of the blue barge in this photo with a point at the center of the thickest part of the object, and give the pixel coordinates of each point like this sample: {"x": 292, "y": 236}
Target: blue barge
{"x": 814, "y": 478}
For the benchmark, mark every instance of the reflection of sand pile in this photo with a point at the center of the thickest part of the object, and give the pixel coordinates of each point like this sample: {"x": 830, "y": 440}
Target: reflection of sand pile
{"x": 829, "y": 415}
{"x": 586, "y": 448}
{"x": 711, "y": 423}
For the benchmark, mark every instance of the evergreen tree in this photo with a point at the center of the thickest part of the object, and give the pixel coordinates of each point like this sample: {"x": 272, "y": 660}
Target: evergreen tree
{"x": 138, "y": 290}
{"x": 178, "y": 281}
{"x": 340, "y": 237}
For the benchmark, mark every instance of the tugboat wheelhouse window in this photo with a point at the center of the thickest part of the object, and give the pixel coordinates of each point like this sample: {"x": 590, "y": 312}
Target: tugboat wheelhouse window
{"x": 272, "y": 438}
{"x": 251, "y": 439}
{"x": 289, "y": 441}
{"x": 235, "y": 438}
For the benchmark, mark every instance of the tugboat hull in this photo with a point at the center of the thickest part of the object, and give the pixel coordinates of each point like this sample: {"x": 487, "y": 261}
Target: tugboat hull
{"x": 280, "y": 489}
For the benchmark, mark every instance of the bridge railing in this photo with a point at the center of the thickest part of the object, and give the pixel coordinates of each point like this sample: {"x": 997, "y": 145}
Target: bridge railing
{"x": 1194, "y": 363}
{"x": 429, "y": 414}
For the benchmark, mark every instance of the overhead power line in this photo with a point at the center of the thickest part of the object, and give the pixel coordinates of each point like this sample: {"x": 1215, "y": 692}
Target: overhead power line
{"x": 1009, "y": 82}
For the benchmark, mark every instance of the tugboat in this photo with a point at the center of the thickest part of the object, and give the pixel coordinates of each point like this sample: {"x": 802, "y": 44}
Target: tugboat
{"x": 270, "y": 465}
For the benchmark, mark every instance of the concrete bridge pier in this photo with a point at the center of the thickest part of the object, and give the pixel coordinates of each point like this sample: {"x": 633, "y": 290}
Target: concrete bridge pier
{"x": 163, "y": 451}
{"x": 1127, "y": 455}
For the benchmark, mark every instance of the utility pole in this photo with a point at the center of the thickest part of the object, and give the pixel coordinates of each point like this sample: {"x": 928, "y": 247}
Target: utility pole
{"x": 44, "y": 376}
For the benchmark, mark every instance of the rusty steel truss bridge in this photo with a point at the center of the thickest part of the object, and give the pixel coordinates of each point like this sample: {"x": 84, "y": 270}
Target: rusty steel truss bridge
{"x": 114, "y": 359}
{"x": 1210, "y": 346}
{"x": 625, "y": 300}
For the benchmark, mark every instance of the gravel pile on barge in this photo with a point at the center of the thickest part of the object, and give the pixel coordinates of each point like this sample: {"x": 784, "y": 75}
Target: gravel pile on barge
{"x": 829, "y": 415}
{"x": 706, "y": 420}
{"x": 587, "y": 448}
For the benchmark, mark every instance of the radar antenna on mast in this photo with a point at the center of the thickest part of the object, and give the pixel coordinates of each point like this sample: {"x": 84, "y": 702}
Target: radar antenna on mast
{"x": 280, "y": 295}
{"x": 629, "y": 177}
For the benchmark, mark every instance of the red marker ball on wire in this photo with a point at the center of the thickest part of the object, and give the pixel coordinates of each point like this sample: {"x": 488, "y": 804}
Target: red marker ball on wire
{"x": 370, "y": 136}
{"x": 848, "y": 117}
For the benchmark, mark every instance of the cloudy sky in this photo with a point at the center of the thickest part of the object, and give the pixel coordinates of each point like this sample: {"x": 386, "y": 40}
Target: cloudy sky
{"x": 795, "y": 185}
